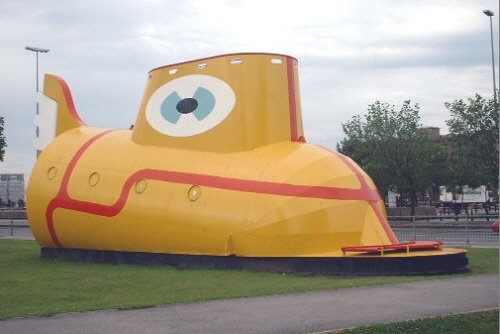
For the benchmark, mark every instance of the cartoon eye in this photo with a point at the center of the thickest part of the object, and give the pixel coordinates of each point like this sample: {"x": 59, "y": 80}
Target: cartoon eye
{"x": 190, "y": 105}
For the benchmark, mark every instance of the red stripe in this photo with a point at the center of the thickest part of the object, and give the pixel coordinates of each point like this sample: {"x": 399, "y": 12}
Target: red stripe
{"x": 365, "y": 187}
{"x": 292, "y": 103}
{"x": 69, "y": 100}
{"x": 262, "y": 187}
{"x": 63, "y": 200}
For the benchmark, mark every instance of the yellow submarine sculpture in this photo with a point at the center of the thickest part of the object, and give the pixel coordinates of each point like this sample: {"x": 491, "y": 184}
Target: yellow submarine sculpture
{"x": 215, "y": 171}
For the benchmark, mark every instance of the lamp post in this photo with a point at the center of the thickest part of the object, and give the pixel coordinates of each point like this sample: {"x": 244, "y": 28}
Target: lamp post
{"x": 490, "y": 14}
{"x": 37, "y": 51}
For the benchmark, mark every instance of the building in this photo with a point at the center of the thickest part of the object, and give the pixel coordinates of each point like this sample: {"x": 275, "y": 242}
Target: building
{"x": 12, "y": 188}
{"x": 433, "y": 132}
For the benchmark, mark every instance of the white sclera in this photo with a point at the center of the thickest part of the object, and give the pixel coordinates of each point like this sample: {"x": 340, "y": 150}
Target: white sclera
{"x": 186, "y": 86}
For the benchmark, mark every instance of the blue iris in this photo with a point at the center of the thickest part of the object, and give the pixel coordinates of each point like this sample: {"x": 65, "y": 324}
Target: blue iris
{"x": 201, "y": 105}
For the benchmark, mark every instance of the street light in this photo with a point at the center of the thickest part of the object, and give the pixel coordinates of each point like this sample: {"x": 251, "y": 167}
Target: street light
{"x": 37, "y": 51}
{"x": 489, "y": 13}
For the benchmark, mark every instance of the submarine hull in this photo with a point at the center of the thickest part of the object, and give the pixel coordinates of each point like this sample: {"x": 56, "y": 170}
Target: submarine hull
{"x": 216, "y": 172}
{"x": 279, "y": 200}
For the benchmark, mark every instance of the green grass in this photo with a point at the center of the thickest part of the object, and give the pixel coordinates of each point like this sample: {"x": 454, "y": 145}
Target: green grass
{"x": 483, "y": 261}
{"x": 33, "y": 286}
{"x": 485, "y": 322}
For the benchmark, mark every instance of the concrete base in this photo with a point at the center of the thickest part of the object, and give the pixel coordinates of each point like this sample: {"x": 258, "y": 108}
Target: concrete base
{"x": 448, "y": 262}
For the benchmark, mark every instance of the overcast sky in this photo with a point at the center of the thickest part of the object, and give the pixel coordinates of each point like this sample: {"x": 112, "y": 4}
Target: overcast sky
{"x": 350, "y": 53}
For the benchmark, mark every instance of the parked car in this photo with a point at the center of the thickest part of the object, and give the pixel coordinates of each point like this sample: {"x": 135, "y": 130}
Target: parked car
{"x": 494, "y": 227}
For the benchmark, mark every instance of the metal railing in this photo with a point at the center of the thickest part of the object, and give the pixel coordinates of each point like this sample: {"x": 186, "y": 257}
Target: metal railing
{"x": 15, "y": 229}
{"x": 14, "y": 224}
{"x": 462, "y": 230}
{"x": 466, "y": 230}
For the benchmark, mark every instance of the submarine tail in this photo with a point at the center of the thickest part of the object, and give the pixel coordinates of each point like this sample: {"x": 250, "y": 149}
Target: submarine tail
{"x": 56, "y": 111}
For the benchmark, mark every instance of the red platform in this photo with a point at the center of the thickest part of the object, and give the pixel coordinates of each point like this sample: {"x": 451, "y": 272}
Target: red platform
{"x": 408, "y": 247}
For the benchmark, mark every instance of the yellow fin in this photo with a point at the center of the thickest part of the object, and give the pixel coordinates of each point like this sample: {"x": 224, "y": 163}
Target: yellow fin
{"x": 67, "y": 116}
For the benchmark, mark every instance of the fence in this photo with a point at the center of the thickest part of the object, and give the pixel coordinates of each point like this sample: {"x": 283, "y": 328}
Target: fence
{"x": 15, "y": 229}
{"x": 14, "y": 224}
{"x": 462, "y": 230}
{"x": 465, "y": 230}
{"x": 11, "y": 213}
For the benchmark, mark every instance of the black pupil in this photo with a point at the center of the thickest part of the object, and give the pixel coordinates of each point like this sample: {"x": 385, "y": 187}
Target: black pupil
{"x": 187, "y": 105}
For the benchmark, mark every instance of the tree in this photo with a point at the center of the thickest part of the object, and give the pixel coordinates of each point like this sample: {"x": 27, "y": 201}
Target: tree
{"x": 3, "y": 143}
{"x": 473, "y": 142}
{"x": 392, "y": 148}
